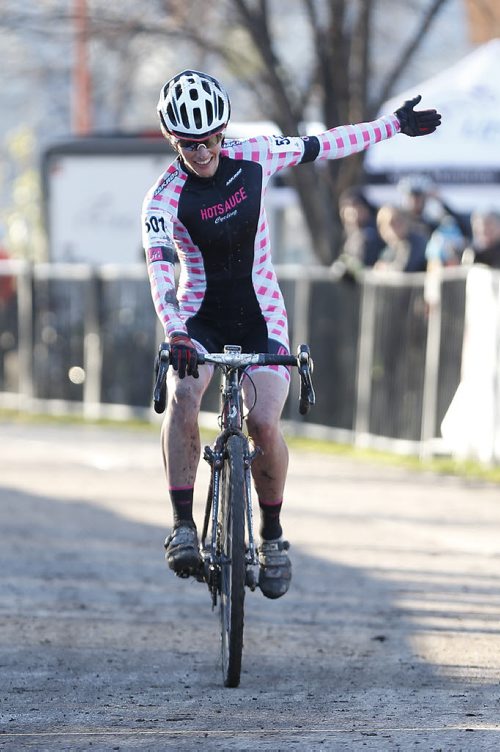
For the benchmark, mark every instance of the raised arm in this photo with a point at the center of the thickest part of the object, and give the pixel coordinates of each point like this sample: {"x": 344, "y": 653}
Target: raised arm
{"x": 349, "y": 139}
{"x": 280, "y": 152}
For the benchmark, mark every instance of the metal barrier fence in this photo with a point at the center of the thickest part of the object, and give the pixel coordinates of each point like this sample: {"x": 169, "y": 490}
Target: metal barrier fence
{"x": 388, "y": 351}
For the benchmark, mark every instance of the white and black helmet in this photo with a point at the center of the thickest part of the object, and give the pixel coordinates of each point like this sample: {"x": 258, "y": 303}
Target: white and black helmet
{"x": 193, "y": 105}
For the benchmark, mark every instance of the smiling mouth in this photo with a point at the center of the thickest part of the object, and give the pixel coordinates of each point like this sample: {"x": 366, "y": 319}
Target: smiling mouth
{"x": 204, "y": 162}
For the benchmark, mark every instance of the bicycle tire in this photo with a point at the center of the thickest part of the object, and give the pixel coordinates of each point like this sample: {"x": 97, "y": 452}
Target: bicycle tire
{"x": 233, "y": 564}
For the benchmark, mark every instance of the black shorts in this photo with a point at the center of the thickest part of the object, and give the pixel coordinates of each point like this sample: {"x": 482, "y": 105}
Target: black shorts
{"x": 252, "y": 336}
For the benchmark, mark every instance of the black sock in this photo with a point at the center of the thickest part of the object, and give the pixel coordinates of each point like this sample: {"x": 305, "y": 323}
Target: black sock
{"x": 182, "y": 504}
{"x": 270, "y": 527}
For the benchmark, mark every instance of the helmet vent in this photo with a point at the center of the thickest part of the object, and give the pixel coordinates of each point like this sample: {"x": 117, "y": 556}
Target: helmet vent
{"x": 210, "y": 113}
{"x": 184, "y": 116}
{"x": 219, "y": 106}
{"x": 172, "y": 115}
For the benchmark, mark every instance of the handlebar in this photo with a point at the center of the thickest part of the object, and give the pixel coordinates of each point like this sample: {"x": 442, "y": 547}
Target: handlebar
{"x": 232, "y": 357}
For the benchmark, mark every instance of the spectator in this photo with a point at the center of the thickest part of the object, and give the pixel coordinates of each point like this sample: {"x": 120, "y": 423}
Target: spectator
{"x": 485, "y": 244}
{"x": 404, "y": 247}
{"x": 420, "y": 198}
{"x": 445, "y": 245}
{"x": 362, "y": 243}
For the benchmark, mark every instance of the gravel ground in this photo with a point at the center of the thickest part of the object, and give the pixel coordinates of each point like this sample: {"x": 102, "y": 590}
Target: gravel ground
{"x": 388, "y": 639}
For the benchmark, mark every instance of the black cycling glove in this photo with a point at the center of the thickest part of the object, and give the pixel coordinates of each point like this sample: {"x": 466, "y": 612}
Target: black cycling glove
{"x": 419, "y": 123}
{"x": 183, "y": 356}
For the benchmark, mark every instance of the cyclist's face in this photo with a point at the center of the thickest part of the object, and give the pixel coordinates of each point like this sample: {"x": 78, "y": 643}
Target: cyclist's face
{"x": 204, "y": 160}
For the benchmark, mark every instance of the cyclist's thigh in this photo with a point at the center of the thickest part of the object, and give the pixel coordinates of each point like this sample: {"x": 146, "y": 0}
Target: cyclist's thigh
{"x": 268, "y": 391}
{"x": 270, "y": 345}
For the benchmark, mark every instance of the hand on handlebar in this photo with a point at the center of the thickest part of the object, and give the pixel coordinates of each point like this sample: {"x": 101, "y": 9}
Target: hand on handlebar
{"x": 183, "y": 356}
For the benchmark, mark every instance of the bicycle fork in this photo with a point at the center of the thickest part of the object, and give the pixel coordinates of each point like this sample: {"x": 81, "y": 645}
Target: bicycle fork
{"x": 210, "y": 552}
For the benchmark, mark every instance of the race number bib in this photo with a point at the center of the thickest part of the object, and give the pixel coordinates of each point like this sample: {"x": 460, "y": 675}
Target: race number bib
{"x": 280, "y": 144}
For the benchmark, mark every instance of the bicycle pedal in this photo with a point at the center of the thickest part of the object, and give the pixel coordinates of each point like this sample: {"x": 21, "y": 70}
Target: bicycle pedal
{"x": 198, "y": 573}
{"x": 250, "y": 579}
{"x": 208, "y": 454}
{"x": 201, "y": 574}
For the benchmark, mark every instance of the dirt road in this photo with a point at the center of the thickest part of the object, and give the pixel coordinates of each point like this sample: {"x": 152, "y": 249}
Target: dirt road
{"x": 388, "y": 640}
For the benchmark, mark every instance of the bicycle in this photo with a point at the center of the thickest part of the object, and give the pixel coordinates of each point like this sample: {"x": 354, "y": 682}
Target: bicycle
{"x": 228, "y": 554}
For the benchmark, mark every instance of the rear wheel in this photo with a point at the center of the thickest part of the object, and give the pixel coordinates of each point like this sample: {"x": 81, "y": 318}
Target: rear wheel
{"x": 232, "y": 539}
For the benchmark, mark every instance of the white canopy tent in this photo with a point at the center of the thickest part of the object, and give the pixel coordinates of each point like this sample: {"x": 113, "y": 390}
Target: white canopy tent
{"x": 463, "y": 155}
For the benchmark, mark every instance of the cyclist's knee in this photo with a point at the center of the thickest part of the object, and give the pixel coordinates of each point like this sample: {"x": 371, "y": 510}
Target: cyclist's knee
{"x": 185, "y": 394}
{"x": 264, "y": 430}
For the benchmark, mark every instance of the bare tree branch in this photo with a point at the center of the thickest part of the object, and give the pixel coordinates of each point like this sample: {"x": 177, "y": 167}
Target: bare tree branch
{"x": 285, "y": 110}
{"x": 408, "y": 52}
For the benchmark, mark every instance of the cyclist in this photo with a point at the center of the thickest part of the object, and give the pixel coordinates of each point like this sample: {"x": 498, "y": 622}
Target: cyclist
{"x": 206, "y": 211}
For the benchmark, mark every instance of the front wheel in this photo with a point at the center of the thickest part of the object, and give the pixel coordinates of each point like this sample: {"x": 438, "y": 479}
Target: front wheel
{"x": 232, "y": 552}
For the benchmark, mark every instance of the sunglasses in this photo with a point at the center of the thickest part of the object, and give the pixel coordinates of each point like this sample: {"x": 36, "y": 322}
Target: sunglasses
{"x": 208, "y": 143}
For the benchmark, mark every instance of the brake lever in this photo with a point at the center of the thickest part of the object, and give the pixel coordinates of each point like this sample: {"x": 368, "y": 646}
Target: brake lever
{"x": 305, "y": 367}
{"x": 162, "y": 364}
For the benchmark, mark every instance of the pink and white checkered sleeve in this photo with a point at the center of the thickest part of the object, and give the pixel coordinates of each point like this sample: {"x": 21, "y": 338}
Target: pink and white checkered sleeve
{"x": 273, "y": 152}
{"x": 349, "y": 139}
{"x": 160, "y": 257}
